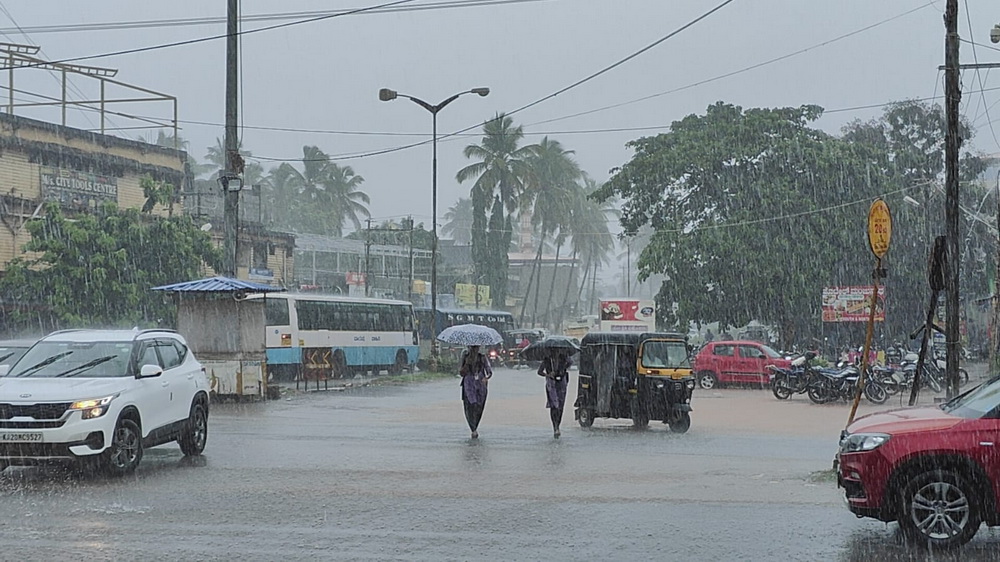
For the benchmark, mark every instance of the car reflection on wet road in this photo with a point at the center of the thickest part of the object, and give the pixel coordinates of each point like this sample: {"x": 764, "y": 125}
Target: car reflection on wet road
{"x": 389, "y": 473}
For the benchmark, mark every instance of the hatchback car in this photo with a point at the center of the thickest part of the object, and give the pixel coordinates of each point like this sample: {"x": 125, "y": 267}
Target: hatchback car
{"x": 735, "y": 362}
{"x": 97, "y": 398}
{"x": 935, "y": 470}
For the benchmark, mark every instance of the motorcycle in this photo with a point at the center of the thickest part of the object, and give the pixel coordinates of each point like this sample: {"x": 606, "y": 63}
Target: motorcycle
{"x": 832, "y": 384}
{"x": 785, "y": 382}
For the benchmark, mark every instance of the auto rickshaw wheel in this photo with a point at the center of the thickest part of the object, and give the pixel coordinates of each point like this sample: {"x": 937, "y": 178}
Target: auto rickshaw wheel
{"x": 585, "y": 417}
{"x": 681, "y": 424}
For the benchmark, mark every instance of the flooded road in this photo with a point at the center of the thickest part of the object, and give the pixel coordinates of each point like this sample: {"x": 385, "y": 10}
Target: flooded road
{"x": 390, "y": 473}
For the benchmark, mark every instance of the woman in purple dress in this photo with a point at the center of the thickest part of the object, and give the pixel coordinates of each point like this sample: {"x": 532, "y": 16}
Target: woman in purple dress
{"x": 555, "y": 369}
{"x": 476, "y": 372}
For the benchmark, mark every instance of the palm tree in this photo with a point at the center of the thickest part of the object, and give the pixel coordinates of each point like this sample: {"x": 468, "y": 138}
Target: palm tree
{"x": 552, "y": 190}
{"x": 349, "y": 202}
{"x": 281, "y": 196}
{"x": 459, "y": 222}
{"x": 593, "y": 241}
{"x": 327, "y": 193}
{"x": 502, "y": 169}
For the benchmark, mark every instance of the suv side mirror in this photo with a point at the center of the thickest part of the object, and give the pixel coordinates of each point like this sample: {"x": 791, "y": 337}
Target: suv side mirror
{"x": 150, "y": 371}
{"x": 4, "y": 369}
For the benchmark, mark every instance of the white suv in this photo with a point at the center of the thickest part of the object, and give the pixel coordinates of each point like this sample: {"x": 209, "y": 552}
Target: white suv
{"x": 97, "y": 398}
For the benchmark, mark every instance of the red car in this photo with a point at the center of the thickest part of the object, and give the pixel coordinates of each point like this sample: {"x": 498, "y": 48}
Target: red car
{"x": 735, "y": 362}
{"x": 935, "y": 470}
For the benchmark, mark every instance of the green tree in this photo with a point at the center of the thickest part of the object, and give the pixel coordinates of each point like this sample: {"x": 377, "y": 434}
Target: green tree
{"x": 501, "y": 168}
{"x": 458, "y": 222}
{"x": 97, "y": 269}
{"x": 551, "y": 193}
{"x": 326, "y": 195}
{"x": 749, "y": 216}
{"x": 590, "y": 237}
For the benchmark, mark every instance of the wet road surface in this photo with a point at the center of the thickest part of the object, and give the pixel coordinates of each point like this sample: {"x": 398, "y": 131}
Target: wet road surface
{"x": 389, "y": 473}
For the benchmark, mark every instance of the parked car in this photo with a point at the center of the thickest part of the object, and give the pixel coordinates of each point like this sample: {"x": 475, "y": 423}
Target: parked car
{"x": 98, "y": 398}
{"x": 725, "y": 362}
{"x": 935, "y": 470}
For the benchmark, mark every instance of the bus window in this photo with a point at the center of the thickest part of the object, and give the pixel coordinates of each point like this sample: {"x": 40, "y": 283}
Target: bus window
{"x": 276, "y": 312}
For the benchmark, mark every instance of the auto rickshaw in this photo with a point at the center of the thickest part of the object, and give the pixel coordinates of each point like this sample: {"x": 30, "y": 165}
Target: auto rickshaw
{"x": 515, "y": 341}
{"x": 640, "y": 376}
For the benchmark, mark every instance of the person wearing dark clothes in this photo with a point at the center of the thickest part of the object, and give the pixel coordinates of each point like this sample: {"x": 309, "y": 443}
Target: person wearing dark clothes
{"x": 555, "y": 369}
{"x": 476, "y": 372}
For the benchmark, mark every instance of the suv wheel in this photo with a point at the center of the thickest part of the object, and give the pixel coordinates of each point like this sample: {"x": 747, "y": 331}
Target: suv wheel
{"x": 195, "y": 433}
{"x": 939, "y": 510}
{"x": 707, "y": 380}
{"x": 125, "y": 451}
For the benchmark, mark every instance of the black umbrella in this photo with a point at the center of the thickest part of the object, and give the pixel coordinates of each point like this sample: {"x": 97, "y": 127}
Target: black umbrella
{"x": 543, "y": 348}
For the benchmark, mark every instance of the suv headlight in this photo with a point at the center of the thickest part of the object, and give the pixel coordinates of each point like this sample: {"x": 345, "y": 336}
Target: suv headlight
{"x": 93, "y": 408}
{"x": 858, "y": 442}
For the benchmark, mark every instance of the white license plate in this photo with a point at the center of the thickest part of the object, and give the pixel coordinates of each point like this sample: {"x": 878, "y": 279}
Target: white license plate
{"x": 20, "y": 437}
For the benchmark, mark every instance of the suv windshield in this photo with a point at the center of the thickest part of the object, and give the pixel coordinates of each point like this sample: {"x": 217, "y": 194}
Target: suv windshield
{"x": 74, "y": 359}
{"x": 665, "y": 355}
{"x": 976, "y": 403}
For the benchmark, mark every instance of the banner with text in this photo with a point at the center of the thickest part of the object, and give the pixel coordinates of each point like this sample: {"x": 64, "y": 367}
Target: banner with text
{"x": 851, "y": 304}
{"x": 77, "y": 189}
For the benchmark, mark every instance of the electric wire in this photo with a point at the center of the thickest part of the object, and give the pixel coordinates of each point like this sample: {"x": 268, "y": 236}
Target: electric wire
{"x": 735, "y": 72}
{"x": 277, "y": 16}
{"x": 979, "y": 76}
{"x": 214, "y": 37}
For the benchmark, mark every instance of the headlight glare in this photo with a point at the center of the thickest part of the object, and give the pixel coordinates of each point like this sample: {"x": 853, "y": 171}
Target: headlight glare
{"x": 93, "y": 403}
{"x": 859, "y": 442}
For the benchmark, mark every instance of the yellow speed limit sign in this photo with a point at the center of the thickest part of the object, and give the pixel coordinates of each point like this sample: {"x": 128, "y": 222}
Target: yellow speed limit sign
{"x": 879, "y": 228}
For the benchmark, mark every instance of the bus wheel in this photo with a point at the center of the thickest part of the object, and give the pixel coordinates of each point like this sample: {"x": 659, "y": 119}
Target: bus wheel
{"x": 400, "y": 364}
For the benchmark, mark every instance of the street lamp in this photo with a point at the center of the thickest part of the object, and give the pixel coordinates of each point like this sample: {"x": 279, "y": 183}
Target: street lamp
{"x": 385, "y": 94}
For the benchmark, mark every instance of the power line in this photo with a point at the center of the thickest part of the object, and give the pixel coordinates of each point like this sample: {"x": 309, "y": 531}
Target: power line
{"x": 792, "y": 215}
{"x": 277, "y": 16}
{"x": 457, "y": 135}
{"x": 214, "y": 37}
{"x": 359, "y": 155}
{"x": 979, "y": 76}
{"x": 624, "y": 60}
{"x": 544, "y": 98}
{"x": 735, "y": 72}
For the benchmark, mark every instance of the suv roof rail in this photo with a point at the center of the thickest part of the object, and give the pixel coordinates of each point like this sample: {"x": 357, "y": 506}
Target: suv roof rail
{"x": 150, "y": 330}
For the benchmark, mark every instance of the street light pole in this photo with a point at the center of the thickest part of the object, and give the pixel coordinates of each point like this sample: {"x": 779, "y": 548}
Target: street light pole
{"x": 385, "y": 94}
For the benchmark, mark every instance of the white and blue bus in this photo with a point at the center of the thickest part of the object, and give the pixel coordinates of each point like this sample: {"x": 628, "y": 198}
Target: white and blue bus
{"x": 315, "y": 337}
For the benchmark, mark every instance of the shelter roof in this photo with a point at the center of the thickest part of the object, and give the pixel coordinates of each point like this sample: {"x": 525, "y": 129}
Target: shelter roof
{"x": 219, "y": 284}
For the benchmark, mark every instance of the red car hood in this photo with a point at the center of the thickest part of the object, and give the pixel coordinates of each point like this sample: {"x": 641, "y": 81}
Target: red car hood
{"x": 905, "y": 420}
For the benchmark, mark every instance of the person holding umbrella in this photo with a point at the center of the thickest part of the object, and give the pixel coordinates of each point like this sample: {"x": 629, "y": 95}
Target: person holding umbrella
{"x": 476, "y": 372}
{"x": 555, "y": 369}
{"x": 474, "y": 368}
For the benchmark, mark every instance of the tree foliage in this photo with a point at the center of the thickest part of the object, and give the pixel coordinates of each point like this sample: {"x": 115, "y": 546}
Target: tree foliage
{"x": 754, "y": 212}
{"x": 97, "y": 269}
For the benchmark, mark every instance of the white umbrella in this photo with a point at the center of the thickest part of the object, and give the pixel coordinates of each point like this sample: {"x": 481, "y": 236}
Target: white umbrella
{"x": 470, "y": 334}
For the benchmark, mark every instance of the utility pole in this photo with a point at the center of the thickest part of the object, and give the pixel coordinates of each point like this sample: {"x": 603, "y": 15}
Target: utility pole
{"x": 409, "y": 288}
{"x": 953, "y": 96}
{"x": 368, "y": 246}
{"x": 229, "y": 180}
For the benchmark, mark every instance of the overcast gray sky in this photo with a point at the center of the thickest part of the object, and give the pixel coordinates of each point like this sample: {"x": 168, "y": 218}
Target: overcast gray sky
{"x": 325, "y": 75}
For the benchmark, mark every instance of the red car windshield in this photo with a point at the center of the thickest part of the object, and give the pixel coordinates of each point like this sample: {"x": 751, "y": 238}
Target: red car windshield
{"x": 982, "y": 401}
{"x": 770, "y": 352}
